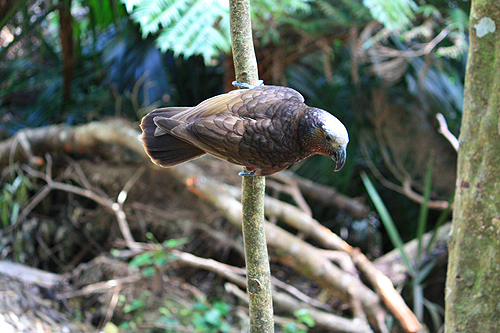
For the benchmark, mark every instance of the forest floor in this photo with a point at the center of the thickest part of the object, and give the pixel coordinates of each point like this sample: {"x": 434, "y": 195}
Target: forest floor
{"x": 110, "y": 242}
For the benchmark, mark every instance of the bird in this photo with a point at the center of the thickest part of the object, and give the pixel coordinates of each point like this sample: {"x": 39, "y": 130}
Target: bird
{"x": 266, "y": 129}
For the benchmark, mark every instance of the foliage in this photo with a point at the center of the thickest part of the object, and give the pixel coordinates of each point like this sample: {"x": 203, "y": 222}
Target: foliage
{"x": 395, "y": 15}
{"x": 13, "y": 197}
{"x": 31, "y": 79}
{"x": 302, "y": 317}
{"x": 203, "y": 317}
{"x": 149, "y": 261}
{"x": 201, "y": 27}
{"x": 199, "y": 317}
{"x": 209, "y": 319}
{"x": 420, "y": 269}
{"x": 188, "y": 27}
{"x": 116, "y": 73}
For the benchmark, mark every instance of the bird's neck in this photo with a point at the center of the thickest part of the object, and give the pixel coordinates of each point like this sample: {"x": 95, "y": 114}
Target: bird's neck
{"x": 308, "y": 130}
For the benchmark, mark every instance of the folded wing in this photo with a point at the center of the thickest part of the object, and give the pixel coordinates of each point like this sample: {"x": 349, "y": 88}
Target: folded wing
{"x": 163, "y": 148}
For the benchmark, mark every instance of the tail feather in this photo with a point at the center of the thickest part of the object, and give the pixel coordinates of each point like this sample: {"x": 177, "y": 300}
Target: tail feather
{"x": 166, "y": 150}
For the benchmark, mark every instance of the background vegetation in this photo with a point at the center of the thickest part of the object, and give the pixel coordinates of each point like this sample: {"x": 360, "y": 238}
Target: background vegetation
{"x": 385, "y": 68}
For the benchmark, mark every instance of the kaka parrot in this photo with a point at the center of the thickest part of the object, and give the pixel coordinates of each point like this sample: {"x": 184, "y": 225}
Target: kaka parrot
{"x": 266, "y": 129}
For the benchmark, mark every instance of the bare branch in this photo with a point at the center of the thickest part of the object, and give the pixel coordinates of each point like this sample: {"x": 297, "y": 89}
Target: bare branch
{"x": 105, "y": 202}
{"x": 443, "y": 129}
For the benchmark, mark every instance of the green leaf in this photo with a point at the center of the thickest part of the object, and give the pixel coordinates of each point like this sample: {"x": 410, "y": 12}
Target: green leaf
{"x": 174, "y": 242}
{"x": 142, "y": 259}
{"x": 424, "y": 207}
{"x": 458, "y": 19}
{"x": 134, "y": 305}
{"x": 199, "y": 306}
{"x": 436, "y": 312}
{"x": 293, "y": 328}
{"x": 187, "y": 27}
{"x": 223, "y": 307}
{"x": 148, "y": 271}
{"x": 418, "y": 301}
{"x": 164, "y": 311}
{"x": 395, "y": 15}
{"x": 213, "y": 316}
{"x": 225, "y": 327}
{"x": 387, "y": 221}
{"x": 304, "y": 317}
{"x": 424, "y": 272}
{"x": 15, "y": 213}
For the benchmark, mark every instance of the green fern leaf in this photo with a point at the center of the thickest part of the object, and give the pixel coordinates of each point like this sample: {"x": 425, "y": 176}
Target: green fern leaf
{"x": 187, "y": 27}
{"x": 395, "y": 15}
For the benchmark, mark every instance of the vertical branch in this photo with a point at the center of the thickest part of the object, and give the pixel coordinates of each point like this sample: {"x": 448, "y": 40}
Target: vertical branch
{"x": 253, "y": 188}
{"x": 67, "y": 43}
{"x": 245, "y": 63}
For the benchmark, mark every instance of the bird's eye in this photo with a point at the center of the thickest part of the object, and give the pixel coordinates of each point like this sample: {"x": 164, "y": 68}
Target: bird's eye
{"x": 328, "y": 138}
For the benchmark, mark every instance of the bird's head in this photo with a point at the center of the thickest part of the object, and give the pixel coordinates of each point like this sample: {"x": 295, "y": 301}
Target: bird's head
{"x": 322, "y": 133}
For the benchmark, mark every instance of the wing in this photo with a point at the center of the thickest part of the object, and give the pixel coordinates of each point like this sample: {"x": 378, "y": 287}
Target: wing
{"x": 164, "y": 149}
{"x": 252, "y": 103}
{"x": 219, "y": 135}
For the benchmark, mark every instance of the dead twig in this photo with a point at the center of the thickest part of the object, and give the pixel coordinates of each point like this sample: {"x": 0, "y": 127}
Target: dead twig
{"x": 443, "y": 129}
{"x": 291, "y": 189}
{"x": 406, "y": 189}
{"x": 100, "y": 287}
{"x": 282, "y": 300}
{"x": 54, "y": 185}
{"x": 342, "y": 259}
{"x": 327, "y": 195}
{"x": 294, "y": 252}
{"x": 389, "y": 295}
{"x": 111, "y": 308}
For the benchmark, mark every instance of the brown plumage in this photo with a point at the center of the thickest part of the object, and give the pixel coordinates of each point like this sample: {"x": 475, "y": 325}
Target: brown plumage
{"x": 266, "y": 129}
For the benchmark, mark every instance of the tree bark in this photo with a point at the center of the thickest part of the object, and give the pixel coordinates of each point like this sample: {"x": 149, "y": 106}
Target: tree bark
{"x": 472, "y": 292}
{"x": 253, "y": 188}
{"x": 68, "y": 48}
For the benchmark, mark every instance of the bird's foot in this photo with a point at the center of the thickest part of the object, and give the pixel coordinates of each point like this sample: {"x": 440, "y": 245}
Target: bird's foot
{"x": 247, "y": 85}
{"x": 250, "y": 173}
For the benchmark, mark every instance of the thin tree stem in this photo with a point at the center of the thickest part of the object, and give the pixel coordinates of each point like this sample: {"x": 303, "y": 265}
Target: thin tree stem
{"x": 253, "y": 188}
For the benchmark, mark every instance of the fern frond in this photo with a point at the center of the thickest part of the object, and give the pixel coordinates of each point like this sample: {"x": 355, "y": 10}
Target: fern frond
{"x": 333, "y": 13}
{"x": 456, "y": 50}
{"x": 424, "y": 30}
{"x": 188, "y": 27}
{"x": 356, "y": 9}
{"x": 395, "y": 15}
{"x": 276, "y": 8}
{"x": 202, "y": 30}
{"x": 155, "y": 14}
{"x": 458, "y": 19}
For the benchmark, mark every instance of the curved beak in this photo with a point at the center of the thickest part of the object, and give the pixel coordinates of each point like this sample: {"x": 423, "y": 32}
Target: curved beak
{"x": 339, "y": 156}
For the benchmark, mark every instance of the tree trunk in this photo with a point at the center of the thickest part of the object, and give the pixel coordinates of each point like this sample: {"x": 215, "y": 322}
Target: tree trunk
{"x": 472, "y": 291}
{"x": 67, "y": 44}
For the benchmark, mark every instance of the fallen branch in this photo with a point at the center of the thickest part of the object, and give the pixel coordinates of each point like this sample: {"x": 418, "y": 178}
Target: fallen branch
{"x": 114, "y": 207}
{"x": 30, "y": 275}
{"x": 293, "y": 252}
{"x": 392, "y": 264}
{"x": 289, "y": 249}
{"x": 114, "y": 140}
{"x": 100, "y": 287}
{"x": 283, "y": 301}
{"x": 328, "y": 195}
